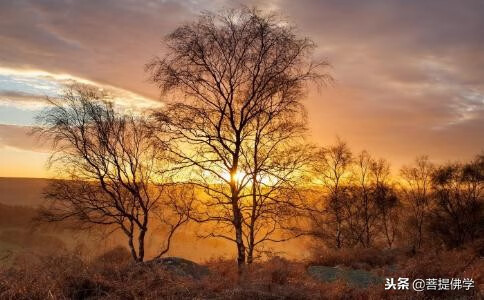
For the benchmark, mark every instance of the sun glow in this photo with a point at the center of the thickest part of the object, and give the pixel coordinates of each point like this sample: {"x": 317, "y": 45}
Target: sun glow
{"x": 243, "y": 177}
{"x": 236, "y": 177}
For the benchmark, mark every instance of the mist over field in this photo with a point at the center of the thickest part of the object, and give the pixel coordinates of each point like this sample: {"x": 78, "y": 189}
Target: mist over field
{"x": 20, "y": 232}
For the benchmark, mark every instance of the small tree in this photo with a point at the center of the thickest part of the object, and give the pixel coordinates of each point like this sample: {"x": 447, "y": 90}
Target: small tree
{"x": 417, "y": 188}
{"x": 358, "y": 205}
{"x": 375, "y": 199}
{"x": 332, "y": 167}
{"x": 364, "y": 164}
{"x": 385, "y": 200}
{"x": 457, "y": 214}
{"x": 108, "y": 164}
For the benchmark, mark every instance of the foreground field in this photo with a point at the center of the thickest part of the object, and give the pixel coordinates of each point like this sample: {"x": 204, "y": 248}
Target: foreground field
{"x": 113, "y": 276}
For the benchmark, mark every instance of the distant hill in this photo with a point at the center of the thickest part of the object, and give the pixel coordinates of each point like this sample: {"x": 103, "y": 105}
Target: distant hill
{"x": 22, "y": 191}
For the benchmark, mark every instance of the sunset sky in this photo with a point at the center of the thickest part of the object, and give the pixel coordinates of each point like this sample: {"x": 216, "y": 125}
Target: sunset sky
{"x": 409, "y": 74}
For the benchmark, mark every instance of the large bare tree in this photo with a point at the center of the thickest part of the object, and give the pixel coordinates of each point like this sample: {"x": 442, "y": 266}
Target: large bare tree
{"x": 230, "y": 69}
{"x": 108, "y": 167}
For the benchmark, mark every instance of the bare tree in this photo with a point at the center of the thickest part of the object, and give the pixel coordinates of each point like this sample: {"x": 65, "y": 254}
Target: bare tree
{"x": 363, "y": 176}
{"x": 333, "y": 169}
{"x": 386, "y": 201}
{"x": 230, "y": 68}
{"x": 107, "y": 160}
{"x": 358, "y": 204}
{"x": 374, "y": 200}
{"x": 276, "y": 160}
{"x": 457, "y": 214}
{"x": 417, "y": 189}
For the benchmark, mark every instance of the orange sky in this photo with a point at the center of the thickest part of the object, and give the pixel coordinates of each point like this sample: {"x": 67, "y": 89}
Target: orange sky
{"x": 408, "y": 74}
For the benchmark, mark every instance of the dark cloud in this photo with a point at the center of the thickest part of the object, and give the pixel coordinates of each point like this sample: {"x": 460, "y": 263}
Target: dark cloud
{"x": 409, "y": 74}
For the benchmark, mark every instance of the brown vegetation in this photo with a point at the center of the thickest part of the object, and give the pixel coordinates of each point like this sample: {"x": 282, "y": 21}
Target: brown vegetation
{"x": 114, "y": 276}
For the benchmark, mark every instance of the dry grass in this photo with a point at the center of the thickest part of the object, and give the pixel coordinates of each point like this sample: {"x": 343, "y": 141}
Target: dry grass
{"x": 113, "y": 276}
{"x": 464, "y": 262}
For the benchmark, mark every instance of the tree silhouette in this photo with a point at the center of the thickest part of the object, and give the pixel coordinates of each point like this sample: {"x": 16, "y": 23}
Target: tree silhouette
{"x": 355, "y": 202}
{"x": 108, "y": 164}
{"x": 332, "y": 167}
{"x": 417, "y": 191}
{"x": 386, "y": 200}
{"x": 457, "y": 214}
{"x": 231, "y": 69}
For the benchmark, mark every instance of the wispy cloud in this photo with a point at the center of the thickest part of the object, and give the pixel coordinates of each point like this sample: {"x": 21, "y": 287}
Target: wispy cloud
{"x": 29, "y": 89}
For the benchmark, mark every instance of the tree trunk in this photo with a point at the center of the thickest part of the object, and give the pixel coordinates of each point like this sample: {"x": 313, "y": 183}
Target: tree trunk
{"x": 367, "y": 219}
{"x": 419, "y": 231}
{"x": 338, "y": 236}
{"x": 130, "y": 234}
{"x": 253, "y": 218}
{"x": 240, "y": 243}
{"x": 238, "y": 233}
{"x": 250, "y": 255}
{"x": 238, "y": 227}
{"x": 141, "y": 244}
{"x": 239, "y": 240}
{"x": 142, "y": 234}
{"x": 367, "y": 229}
{"x": 387, "y": 233}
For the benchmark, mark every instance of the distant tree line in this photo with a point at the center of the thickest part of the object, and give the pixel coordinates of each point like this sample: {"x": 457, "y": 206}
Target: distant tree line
{"x": 357, "y": 203}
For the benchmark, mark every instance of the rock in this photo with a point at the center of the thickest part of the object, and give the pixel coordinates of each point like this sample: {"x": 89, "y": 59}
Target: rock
{"x": 355, "y": 277}
{"x": 180, "y": 266}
